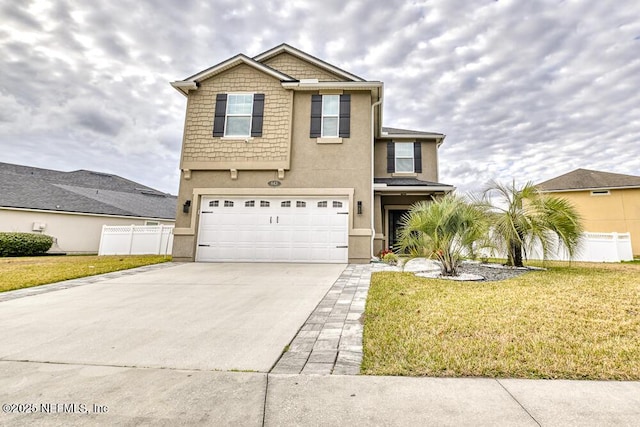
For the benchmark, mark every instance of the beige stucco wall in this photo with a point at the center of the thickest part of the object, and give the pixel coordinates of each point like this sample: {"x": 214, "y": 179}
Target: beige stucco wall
{"x": 314, "y": 165}
{"x": 299, "y": 69}
{"x": 619, "y": 212}
{"x": 76, "y": 233}
{"x": 202, "y": 150}
{"x": 429, "y": 161}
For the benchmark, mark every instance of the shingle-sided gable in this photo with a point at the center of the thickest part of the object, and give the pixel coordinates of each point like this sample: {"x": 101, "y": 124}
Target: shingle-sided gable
{"x": 303, "y": 65}
{"x": 300, "y": 69}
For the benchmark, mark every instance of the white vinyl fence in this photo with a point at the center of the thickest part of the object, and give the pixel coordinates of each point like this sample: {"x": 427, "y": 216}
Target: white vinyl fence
{"x": 594, "y": 247}
{"x": 136, "y": 240}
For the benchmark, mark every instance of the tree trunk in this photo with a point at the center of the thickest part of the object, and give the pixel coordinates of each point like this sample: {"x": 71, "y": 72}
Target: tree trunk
{"x": 515, "y": 254}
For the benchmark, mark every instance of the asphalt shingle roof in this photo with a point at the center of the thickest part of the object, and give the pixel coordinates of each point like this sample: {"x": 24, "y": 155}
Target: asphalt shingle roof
{"x": 584, "y": 179}
{"x": 81, "y": 191}
{"x": 396, "y": 131}
{"x": 407, "y": 182}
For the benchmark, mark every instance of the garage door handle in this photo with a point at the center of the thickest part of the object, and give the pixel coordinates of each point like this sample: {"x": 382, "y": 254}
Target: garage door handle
{"x": 270, "y": 220}
{"x": 206, "y": 246}
{"x": 277, "y": 220}
{"x": 342, "y": 247}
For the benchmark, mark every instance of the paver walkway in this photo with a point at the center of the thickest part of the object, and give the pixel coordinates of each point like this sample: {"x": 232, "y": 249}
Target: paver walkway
{"x": 330, "y": 341}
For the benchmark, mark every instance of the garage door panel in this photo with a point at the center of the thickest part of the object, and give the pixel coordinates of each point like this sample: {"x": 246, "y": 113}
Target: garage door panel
{"x": 273, "y": 229}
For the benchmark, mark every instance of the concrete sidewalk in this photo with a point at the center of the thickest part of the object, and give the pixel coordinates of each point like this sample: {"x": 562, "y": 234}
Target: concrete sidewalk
{"x": 101, "y": 395}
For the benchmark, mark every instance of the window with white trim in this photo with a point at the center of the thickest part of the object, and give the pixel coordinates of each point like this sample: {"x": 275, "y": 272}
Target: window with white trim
{"x": 404, "y": 157}
{"x": 301, "y": 204}
{"x": 337, "y": 204}
{"x": 239, "y": 112}
{"x": 214, "y": 204}
{"x": 330, "y": 115}
{"x": 285, "y": 204}
{"x": 228, "y": 204}
{"x": 322, "y": 204}
{"x": 250, "y": 204}
{"x": 264, "y": 204}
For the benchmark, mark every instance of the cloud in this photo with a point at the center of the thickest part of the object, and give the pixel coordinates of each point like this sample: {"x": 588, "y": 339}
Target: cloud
{"x": 523, "y": 90}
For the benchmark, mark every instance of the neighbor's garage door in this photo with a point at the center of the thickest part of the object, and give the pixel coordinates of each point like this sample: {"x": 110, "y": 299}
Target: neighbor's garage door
{"x": 255, "y": 229}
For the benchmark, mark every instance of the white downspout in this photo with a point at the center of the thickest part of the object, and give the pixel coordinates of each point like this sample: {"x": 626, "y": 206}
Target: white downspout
{"x": 373, "y": 150}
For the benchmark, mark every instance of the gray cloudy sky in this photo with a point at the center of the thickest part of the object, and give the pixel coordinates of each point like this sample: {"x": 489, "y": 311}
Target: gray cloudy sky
{"x": 524, "y": 90}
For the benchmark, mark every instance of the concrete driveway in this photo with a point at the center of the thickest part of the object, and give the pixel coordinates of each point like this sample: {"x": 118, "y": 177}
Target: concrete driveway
{"x": 189, "y": 316}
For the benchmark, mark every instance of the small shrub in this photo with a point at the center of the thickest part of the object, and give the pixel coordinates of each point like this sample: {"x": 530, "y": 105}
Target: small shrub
{"x": 383, "y": 252}
{"x": 24, "y": 244}
{"x": 390, "y": 258}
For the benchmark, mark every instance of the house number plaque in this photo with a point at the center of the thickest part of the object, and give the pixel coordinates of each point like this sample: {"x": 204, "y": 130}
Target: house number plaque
{"x": 274, "y": 183}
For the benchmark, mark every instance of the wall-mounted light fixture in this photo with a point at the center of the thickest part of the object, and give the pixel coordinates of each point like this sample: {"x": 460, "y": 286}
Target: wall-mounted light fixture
{"x": 359, "y": 207}
{"x": 186, "y": 206}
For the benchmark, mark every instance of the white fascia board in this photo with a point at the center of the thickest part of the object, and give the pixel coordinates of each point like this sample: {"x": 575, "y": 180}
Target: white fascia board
{"x": 332, "y": 85}
{"x": 184, "y": 87}
{"x": 568, "y": 190}
{"x": 412, "y": 136}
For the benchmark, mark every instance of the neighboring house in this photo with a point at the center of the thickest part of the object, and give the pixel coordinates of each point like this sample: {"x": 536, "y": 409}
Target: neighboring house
{"x": 284, "y": 158}
{"x": 608, "y": 202}
{"x": 73, "y": 206}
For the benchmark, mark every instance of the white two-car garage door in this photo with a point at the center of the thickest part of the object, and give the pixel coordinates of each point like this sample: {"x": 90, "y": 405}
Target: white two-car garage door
{"x": 273, "y": 229}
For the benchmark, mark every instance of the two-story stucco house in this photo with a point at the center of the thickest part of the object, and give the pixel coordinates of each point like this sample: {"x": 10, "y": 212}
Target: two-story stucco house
{"x": 284, "y": 159}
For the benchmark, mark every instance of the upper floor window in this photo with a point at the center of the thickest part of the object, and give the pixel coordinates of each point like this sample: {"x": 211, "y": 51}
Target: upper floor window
{"x": 239, "y": 112}
{"x": 404, "y": 157}
{"x": 330, "y": 116}
{"x": 238, "y": 115}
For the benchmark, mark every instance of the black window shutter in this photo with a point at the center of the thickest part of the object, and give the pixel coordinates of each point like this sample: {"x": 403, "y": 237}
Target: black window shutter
{"x": 391, "y": 157}
{"x": 258, "y": 112}
{"x": 345, "y": 116}
{"x": 221, "y": 111}
{"x": 316, "y": 116}
{"x": 417, "y": 157}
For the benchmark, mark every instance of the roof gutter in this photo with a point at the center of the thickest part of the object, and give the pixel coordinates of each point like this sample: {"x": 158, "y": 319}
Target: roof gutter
{"x": 331, "y": 85}
{"x": 373, "y": 149}
{"x": 568, "y": 190}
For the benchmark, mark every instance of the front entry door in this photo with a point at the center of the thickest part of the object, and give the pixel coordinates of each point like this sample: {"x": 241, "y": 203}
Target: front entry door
{"x": 395, "y": 223}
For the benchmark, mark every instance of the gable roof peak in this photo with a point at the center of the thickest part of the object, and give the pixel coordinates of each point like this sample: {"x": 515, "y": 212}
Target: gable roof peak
{"x": 284, "y": 47}
{"x": 582, "y": 179}
{"x": 191, "y": 83}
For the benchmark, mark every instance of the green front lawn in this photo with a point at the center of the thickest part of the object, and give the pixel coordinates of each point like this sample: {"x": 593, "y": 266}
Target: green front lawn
{"x": 579, "y": 322}
{"x": 24, "y": 272}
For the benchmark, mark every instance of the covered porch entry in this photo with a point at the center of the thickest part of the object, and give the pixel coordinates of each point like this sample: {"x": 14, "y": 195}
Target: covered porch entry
{"x": 393, "y": 199}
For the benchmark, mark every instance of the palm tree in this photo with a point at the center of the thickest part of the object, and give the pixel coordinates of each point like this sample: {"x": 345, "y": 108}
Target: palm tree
{"x": 520, "y": 216}
{"x": 443, "y": 229}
